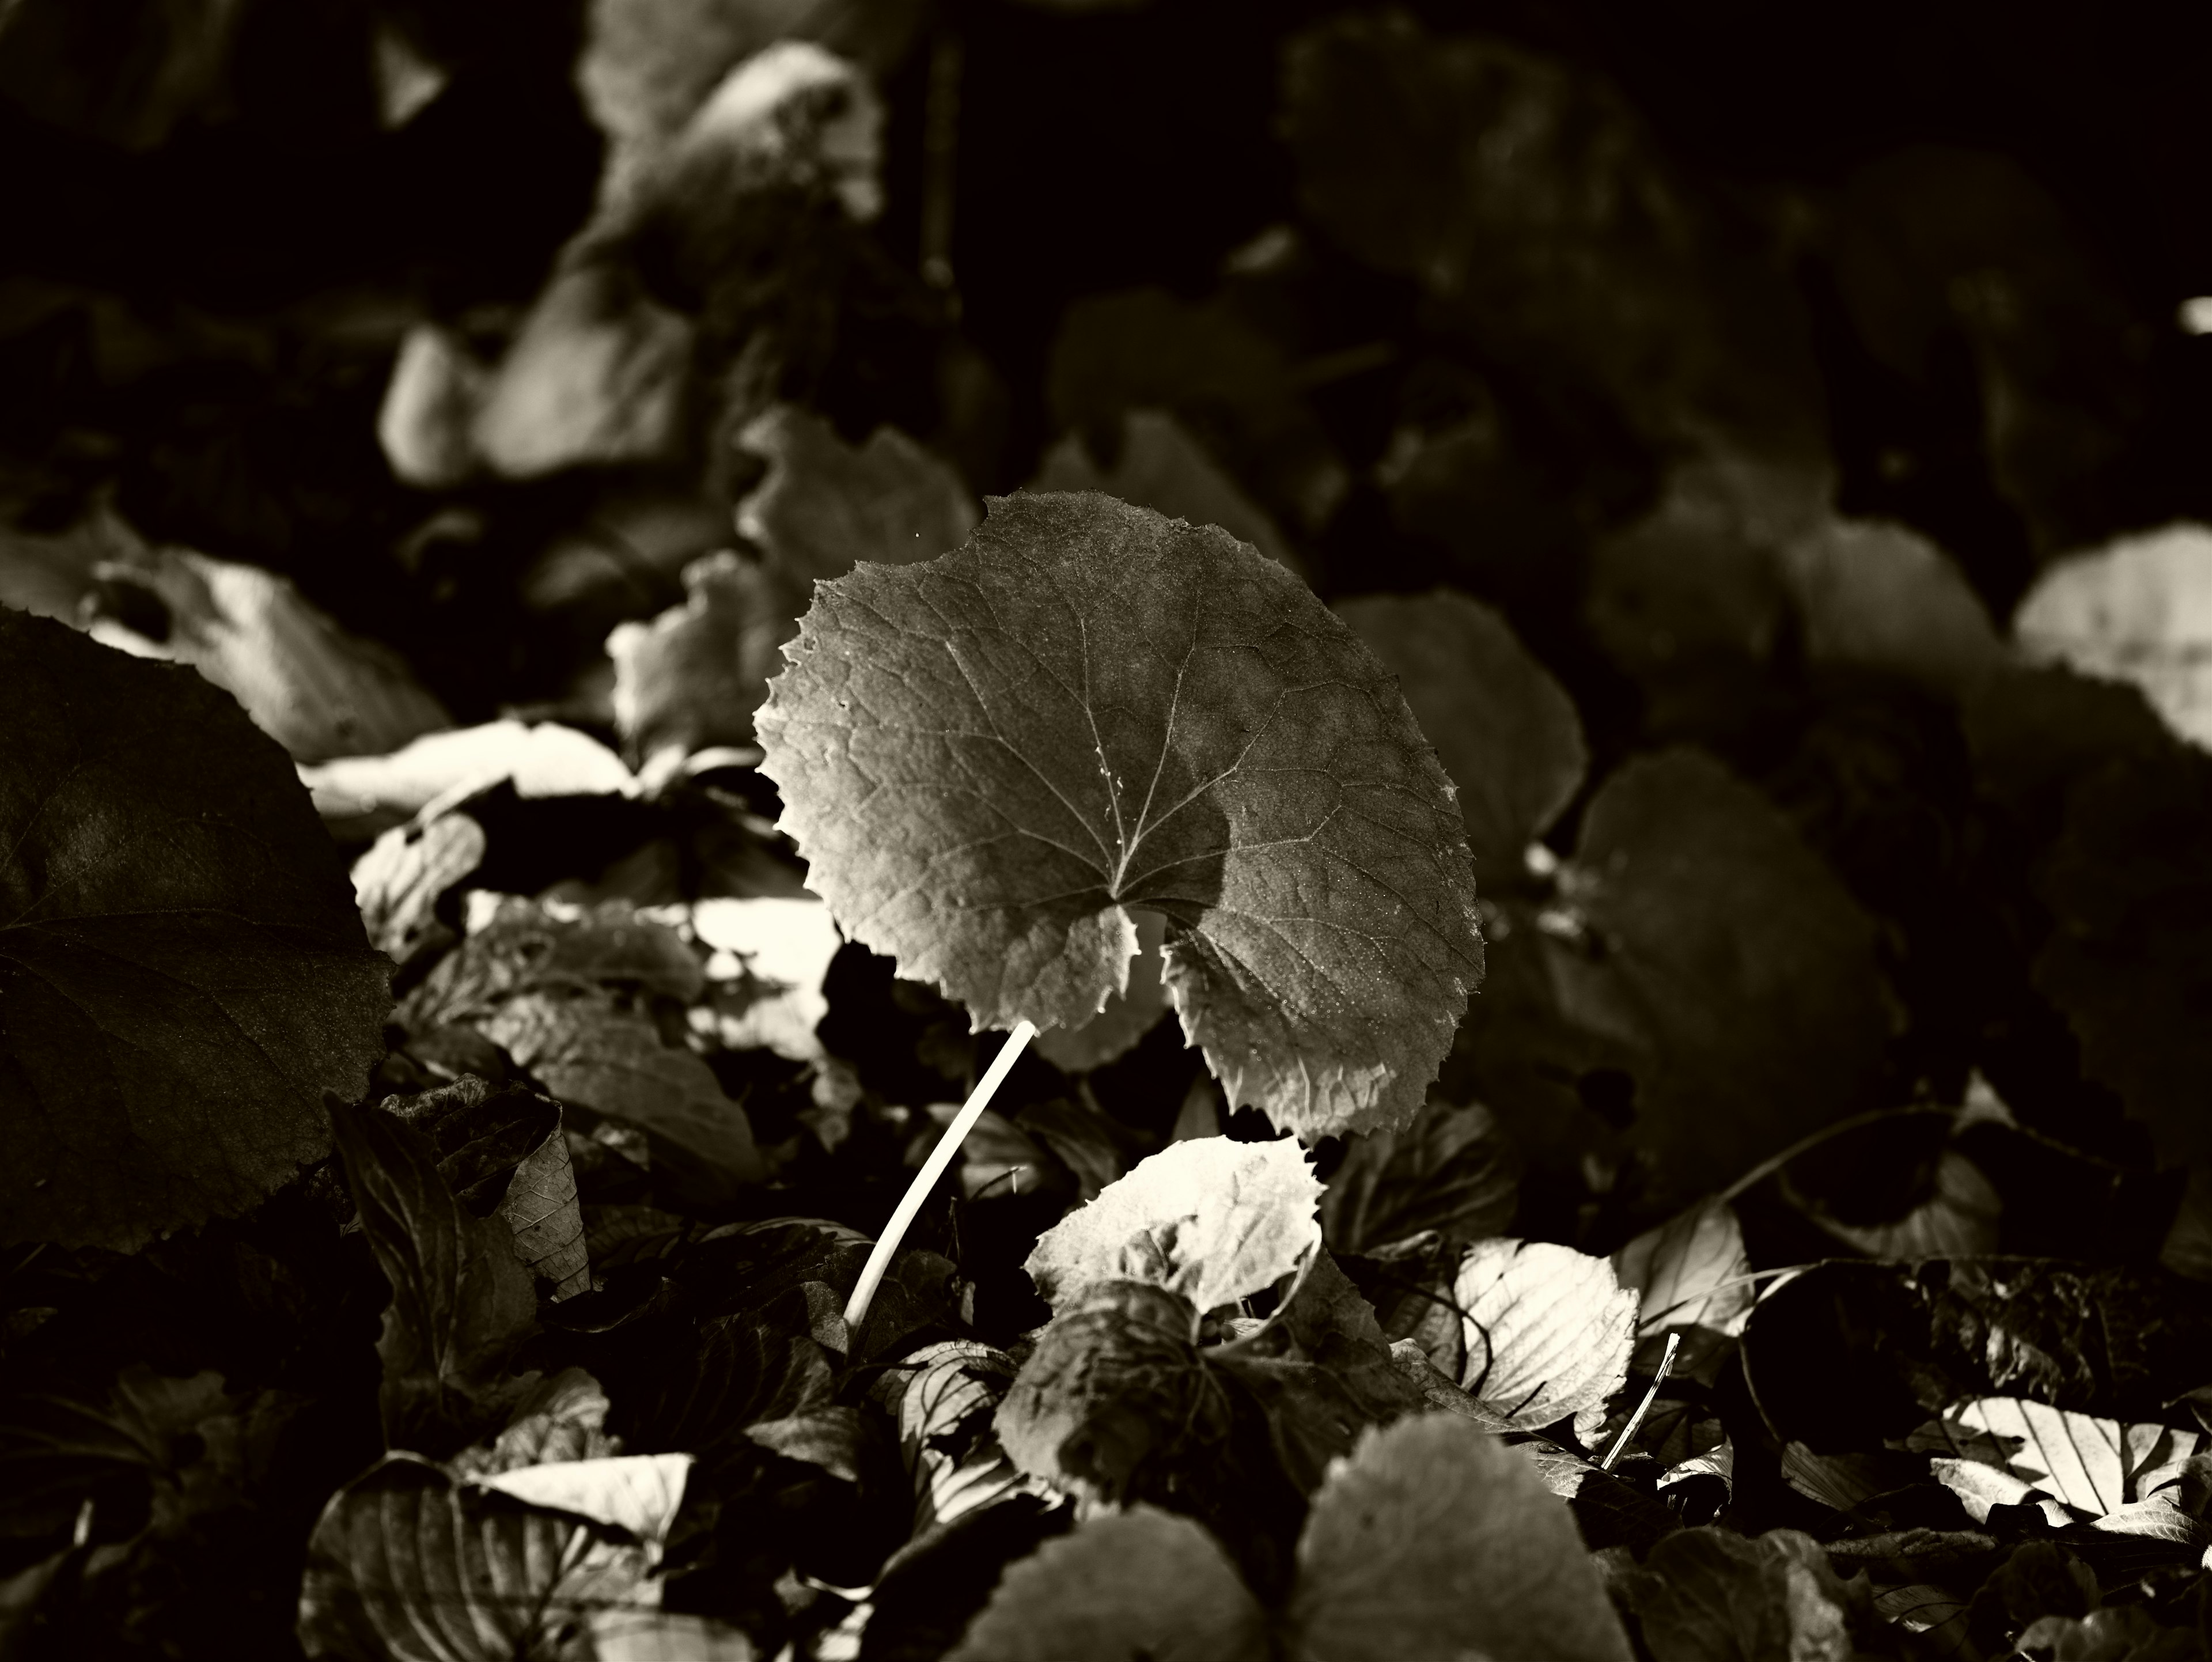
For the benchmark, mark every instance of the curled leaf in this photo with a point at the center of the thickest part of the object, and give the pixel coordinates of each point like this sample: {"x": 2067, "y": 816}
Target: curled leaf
{"x": 1209, "y": 1220}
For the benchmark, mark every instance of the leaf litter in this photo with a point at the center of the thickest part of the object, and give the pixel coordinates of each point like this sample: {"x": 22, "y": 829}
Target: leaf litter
{"x": 1764, "y": 1217}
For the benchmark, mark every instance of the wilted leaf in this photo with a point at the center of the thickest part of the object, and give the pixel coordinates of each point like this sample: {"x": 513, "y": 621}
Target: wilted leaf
{"x": 1877, "y": 596}
{"x": 1435, "y": 1539}
{"x": 1959, "y": 1219}
{"x": 1210, "y": 1220}
{"x": 1162, "y": 468}
{"x": 989, "y": 758}
{"x": 1114, "y": 1393}
{"x": 1713, "y": 1596}
{"x": 546, "y": 759}
{"x": 693, "y": 676}
{"x": 461, "y": 1301}
{"x": 2095, "y": 1465}
{"x": 317, "y": 690}
{"x": 1680, "y": 1268}
{"x": 407, "y": 1565}
{"x": 1980, "y": 1487}
{"x": 183, "y": 972}
{"x": 588, "y": 1050}
{"x": 771, "y": 955}
{"x": 1452, "y": 1171}
{"x": 1140, "y": 1583}
{"x": 406, "y": 872}
{"x": 1549, "y": 1332}
{"x": 826, "y": 505}
{"x": 503, "y": 1148}
{"x": 1505, "y": 731}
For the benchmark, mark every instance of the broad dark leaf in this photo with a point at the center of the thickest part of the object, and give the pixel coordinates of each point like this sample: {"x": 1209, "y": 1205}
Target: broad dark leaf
{"x": 1114, "y": 1394}
{"x": 1505, "y": 731}
{"x": 1711, "y": 1595}
{"x": 989, "y": 758}
{"x": 461, "y": 1301}
{"x": 1452, "y": 1171}
{"x": 183, "y": 972}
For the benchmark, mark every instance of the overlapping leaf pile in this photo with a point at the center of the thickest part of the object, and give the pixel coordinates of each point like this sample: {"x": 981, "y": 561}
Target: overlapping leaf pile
{"x": 1595, "y": 774}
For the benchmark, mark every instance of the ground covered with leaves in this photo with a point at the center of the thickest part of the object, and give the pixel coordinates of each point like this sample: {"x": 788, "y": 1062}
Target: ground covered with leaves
{"x": 1518, "y": 695}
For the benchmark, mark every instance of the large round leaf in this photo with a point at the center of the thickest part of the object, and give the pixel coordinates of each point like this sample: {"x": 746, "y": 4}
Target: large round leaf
{"x": 183, "y": 973}
{"x": 989, "y": 758}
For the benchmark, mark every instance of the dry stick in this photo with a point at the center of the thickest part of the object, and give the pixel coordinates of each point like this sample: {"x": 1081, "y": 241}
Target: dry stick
{"x": 856, "y": 1308}
{"x": 1619, "y": 1443}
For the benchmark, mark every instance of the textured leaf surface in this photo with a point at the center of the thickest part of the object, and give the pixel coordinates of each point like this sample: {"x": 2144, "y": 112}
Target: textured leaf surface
{"x": 2093, "y": 1465}
{"x": 1211, "y": 1219}
{"x": 183, "y": 972}
{"x": 1436, "y": 1539}
{"x": 1549, "y": 1331}
{"x": 946, "y": 1396}
{"x": 1505, "y": 731}
{"x": 988, "y": 758}
{"x": 1140, "y": 1583}
{"x": 1452, "y": 1171}
{"x": 407, "y": 1565}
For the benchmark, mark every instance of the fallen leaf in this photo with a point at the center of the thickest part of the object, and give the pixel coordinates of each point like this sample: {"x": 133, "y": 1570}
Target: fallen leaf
{"x": 596, "y": 376}
{"x": 1161, "y": 466}
{"x": 1549, "y": 1332}
{"x": 1452, "y": 1171}
{"x": 562, "y": 1418}
{"x": 503, "y": 1148}
{"x": 315, "y": 689}
{"x": 183, "y": 972}
{"x": 826, "y": 505}
{"x": 1504, "y": 730}
{"x": 2138, "y": 610}
{"x": 406, "y": 872}
{"x": 1980, "y": 1487}
{"x": 429, "y": 406}
{"x": 1959, "y": 1218}
{"x": 587, "y": 1049}
{"x": 1691, "y": 1271}
{"x": 694, "y": 675}
{"x": 1089, "y": 709}
{"x": 1209, "y": 1220}
{"x": 2093, "y": 1465}
{"x": 441, "y": 768}
{"x": 1139, "y": 1583}
{"x": 636, "y": 1636}
{"x": 780, "y": 950}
